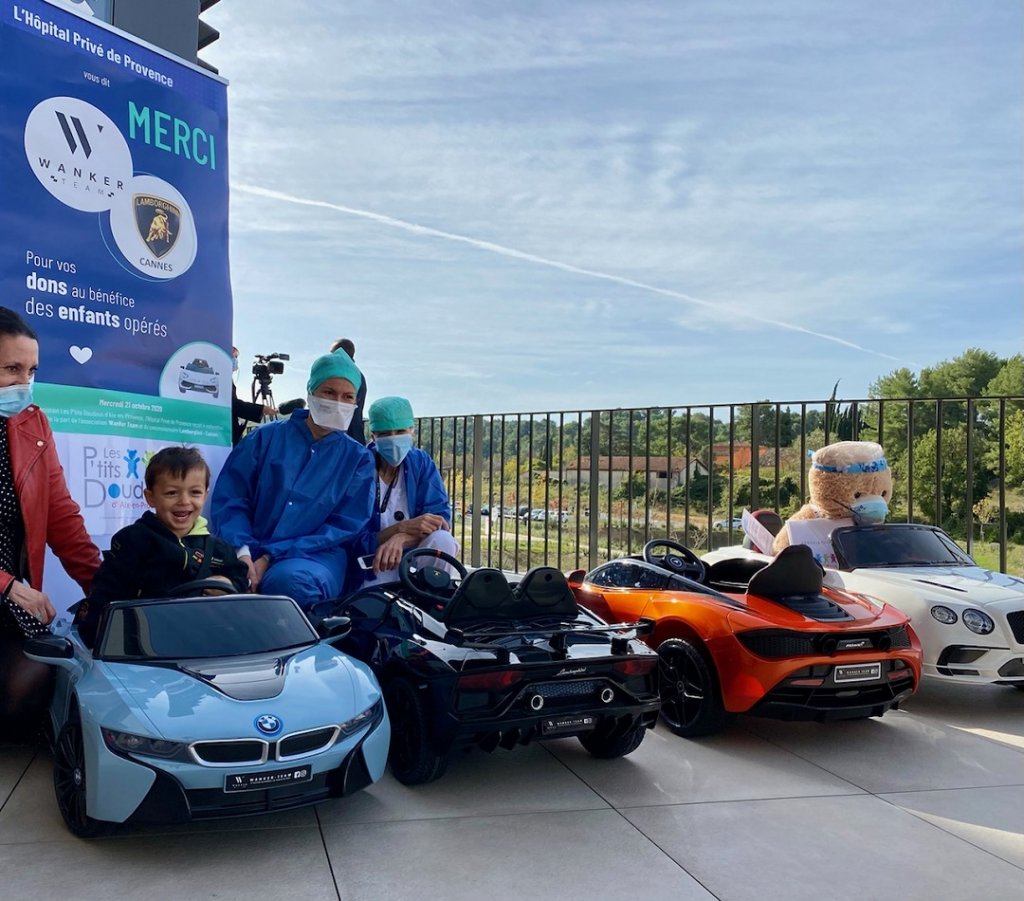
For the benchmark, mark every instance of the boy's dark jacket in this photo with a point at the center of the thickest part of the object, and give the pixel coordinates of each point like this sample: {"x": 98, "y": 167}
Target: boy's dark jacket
{"x": 147, "y": 560}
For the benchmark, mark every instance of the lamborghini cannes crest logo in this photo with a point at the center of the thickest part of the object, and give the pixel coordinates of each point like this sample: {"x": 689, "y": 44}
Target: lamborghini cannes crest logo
{"x": 158, "y": 222}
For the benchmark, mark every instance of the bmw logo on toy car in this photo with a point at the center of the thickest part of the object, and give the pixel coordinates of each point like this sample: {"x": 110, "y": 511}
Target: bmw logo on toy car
{"x": 268, "y": 724}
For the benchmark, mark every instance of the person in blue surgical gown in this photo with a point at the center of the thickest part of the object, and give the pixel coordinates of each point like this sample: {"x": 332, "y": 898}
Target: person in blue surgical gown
{"x": 294, "y": 495}
{"x": 411, "y": 506}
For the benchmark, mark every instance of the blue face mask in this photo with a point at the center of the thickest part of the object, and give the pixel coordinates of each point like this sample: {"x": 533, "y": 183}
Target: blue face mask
{"x": 393, "y": 448}
{"x": 14, "y": 399}
{"x": 870, "y": 512}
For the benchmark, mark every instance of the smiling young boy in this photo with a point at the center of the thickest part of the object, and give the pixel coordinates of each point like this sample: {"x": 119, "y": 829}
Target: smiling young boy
{"x": 168, "y": 545}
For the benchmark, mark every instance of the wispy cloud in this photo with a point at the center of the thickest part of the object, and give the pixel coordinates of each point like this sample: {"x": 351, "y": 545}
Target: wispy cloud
{"x": 722, "y": 310}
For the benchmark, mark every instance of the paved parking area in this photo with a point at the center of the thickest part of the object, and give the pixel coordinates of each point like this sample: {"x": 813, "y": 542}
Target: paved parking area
{"x": 926, "y": 803}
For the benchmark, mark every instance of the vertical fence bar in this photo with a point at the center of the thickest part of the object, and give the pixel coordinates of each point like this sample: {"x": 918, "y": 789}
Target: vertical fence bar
{"x": 803, "y": 454}
{"x": 629, "y": 485}
{"x": 519, "y": 481}
{"x": 611, "y": 458}
{"x": 938, "y": 463}
{"x": 970, "y": 475}
{"x": 732, "y": 466}
{"x": 686, "y": 508}
{"x": 490, "y": 488}
{"x": 671, "y": 470}
{"x": 755, "y": 456}
{"x": 547, "y": 485}
{"x": 578, "y": 560}
{"x": 1002, "y": 484}
{"x": 561, "y": 484}
{"x": 910, "y": 461}
{"x": 778, "y": 453}
{"x": 504, "y": 500}
{"x": 711, "y": 474}
{"x": 529, "y": 491}
{"x": 478, "y": 478}
{"x": 592, "y": 503}
{"x": 647, "y": 481}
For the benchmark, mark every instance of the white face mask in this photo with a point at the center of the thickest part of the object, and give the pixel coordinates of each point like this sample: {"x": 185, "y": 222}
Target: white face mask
{"x": 332, "y": 415}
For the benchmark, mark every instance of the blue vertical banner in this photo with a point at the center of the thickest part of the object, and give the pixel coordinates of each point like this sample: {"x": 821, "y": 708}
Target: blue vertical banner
{"x": 114, "y": 247}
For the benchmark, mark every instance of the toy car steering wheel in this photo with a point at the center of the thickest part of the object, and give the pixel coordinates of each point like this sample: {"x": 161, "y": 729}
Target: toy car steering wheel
{"x": 433, "y": 581}
{"x": 198, "y": 586}
{"x": 683, "y": 563}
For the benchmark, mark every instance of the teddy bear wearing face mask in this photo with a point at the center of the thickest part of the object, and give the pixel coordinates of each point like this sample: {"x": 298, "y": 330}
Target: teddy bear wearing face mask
{"x": 850, "y": 484}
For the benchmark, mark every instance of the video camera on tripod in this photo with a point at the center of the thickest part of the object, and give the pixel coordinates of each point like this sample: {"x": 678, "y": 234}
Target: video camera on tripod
{"x": 263, "y": 372}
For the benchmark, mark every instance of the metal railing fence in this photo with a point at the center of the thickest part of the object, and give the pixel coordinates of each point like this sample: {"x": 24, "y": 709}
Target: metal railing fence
{"x": 573, "y": 488}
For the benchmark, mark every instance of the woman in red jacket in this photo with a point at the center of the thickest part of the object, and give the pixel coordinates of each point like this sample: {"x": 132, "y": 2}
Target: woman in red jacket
{"x": 36, "y": 509}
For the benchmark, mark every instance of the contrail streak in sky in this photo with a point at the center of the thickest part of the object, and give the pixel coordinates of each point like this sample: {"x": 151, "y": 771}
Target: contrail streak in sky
{"x": 511, "y": 252}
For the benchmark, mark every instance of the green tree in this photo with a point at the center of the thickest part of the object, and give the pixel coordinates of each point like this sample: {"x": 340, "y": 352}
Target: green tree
{"x": 948, "y": 471}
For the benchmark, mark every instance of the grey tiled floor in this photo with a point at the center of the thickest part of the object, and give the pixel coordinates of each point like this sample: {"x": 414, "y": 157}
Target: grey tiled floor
{"x": 926, "y": 803}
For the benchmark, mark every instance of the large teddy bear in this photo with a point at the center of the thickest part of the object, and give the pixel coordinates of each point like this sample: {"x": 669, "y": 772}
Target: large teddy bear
{"x": 850, "y": 482}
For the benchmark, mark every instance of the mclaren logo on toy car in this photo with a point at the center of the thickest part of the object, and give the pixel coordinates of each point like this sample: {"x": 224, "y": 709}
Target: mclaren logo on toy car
{"x": 268, "y": 724}
{"x": 157, "y": 221}
{"x": 853, "y": 644}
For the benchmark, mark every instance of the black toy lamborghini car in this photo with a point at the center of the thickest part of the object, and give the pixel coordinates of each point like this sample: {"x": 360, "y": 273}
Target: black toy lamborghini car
{"x": 479, "y": 662}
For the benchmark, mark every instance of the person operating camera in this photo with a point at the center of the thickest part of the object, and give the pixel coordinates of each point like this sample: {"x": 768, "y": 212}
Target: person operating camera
{"x": 242, "y": 411}
{"x": 294, "y": 496}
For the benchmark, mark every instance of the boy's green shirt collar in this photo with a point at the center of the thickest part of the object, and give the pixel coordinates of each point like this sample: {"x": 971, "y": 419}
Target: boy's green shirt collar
{"x": 200, "y": 527}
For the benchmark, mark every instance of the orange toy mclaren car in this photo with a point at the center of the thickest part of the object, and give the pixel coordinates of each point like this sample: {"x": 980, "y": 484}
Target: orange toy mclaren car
{"x": 742, "y": 637}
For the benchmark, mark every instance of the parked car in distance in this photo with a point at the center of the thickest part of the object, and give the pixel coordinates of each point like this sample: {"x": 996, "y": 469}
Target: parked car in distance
{"x": 735, "y": 523}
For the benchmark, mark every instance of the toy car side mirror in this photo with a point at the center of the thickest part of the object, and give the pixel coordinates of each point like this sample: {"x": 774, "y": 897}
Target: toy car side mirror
{"x": 334, "y": 626}
{"x": 576, "y": 577}
{"x": 49, "y": 648}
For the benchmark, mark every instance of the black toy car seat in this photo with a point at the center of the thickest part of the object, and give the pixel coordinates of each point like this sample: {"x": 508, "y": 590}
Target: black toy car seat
{"x": 544, "y": 589}
{"x": 483, "y": 594}
{"x": 794, "y": 572}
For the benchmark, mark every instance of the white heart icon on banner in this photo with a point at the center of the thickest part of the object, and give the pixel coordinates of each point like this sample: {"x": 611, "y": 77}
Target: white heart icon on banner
{"x": 80, "y": 354}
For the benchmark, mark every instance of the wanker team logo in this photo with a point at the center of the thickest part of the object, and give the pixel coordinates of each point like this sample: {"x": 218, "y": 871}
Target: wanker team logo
{"x": 158, "y": 222}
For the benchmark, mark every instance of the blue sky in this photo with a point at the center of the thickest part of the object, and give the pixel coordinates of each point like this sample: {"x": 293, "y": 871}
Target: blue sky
{"x": 596, "y": 204}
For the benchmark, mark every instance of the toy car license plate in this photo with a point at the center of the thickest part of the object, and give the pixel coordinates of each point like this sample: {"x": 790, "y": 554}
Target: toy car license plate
{"x": 858, "y": 672}
{"x": 247, "y": 782}
{"x": 562, "y": 724}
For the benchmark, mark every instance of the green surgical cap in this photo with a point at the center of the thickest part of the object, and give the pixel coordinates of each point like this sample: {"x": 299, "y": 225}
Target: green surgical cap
{"x": 337, "y": 365}
{"x": 390, "y": 414}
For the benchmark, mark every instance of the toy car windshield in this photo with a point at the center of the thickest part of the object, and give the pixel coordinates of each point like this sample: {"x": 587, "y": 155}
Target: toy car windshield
{"x": 199, "y": 366}
{"x": 197, "y": 628}
{"x": 896, "y": 545}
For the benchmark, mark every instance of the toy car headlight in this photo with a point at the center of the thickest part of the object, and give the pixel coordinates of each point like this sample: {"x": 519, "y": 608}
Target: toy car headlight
{"x": 126, "y": 743}
{"x": 371, "y": 714}
{"x": 944, "y": 615}
{"x": 978, "y": 622}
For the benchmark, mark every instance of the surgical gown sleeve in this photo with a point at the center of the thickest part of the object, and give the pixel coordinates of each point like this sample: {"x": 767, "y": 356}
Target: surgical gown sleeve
{"x": 353, "y": 487}
{"x": 231, "y": 506}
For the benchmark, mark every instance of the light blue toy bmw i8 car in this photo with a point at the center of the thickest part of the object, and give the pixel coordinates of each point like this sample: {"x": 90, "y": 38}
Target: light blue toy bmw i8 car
{"x": 203, "y": 707}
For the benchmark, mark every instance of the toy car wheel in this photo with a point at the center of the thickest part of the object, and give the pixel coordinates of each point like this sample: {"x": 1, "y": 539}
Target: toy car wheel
{"x": 412, "y": 756}
{"x": 606, "y": 744}
{"x": 69, "y": 781}
{"x": 691, "y": 704}
{"x": 181, "y": 390}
